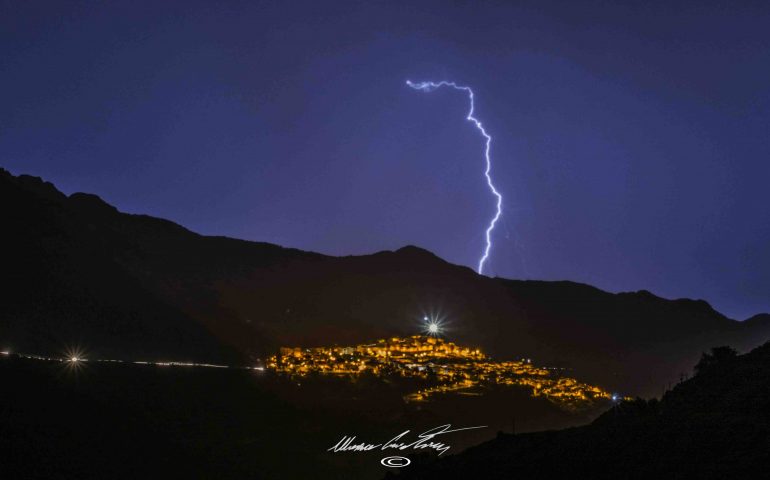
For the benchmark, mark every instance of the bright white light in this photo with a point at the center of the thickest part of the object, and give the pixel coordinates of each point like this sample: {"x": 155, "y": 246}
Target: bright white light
{"x": 433, "y": 324}
{"x": 74, "y": 356}
{"x": 429, "y": 87}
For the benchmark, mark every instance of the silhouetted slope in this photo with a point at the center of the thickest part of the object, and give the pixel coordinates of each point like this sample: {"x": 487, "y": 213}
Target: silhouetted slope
{"x": 62, "y": 288}
{"x": 715, "y": 425}
{"x": 759, "y": 319}
{"x": 634, "y": 336}
{"x": 76, "y": 269}
{"x": 124, "y": 421}
{"x": 104, "y": 420}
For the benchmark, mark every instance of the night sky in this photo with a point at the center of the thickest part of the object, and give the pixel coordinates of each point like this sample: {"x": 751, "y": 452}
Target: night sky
{"x": 630, "y": 142}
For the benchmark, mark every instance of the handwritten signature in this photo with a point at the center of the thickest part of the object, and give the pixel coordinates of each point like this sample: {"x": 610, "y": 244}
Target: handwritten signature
{"x": 399, "y": 442}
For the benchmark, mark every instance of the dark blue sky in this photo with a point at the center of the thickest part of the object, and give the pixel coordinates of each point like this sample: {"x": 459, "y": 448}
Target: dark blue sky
{"x": 630, "y": 142}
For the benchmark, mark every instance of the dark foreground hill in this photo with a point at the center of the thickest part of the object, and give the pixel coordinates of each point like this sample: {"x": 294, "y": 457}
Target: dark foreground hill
{"x": 126, "y": 421}
{"x": 714, "y": 426}
{"x": 77, "y": 272}
{"x": 110, "y": 420}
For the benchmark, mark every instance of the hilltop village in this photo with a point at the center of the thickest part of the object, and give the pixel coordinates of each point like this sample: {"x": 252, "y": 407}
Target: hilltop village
{"x": 445, "y": 366}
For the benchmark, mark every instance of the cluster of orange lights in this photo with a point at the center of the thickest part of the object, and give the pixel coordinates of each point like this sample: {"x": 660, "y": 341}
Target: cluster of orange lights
{"x": 445, "y": 366}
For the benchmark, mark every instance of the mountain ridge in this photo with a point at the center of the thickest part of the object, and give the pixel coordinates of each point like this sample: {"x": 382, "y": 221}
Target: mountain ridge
{"x": 225, "y": 298}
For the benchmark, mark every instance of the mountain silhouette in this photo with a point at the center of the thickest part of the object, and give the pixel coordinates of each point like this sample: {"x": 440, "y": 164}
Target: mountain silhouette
{"x": 77, "y": 273}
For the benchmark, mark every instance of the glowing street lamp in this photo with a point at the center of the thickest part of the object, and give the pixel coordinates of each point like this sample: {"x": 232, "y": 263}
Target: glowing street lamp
{"x": 75, "y": 357}
{"x": 432, "y": 325}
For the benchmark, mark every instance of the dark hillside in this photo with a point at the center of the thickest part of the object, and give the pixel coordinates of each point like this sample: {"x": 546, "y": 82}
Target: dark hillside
{"x": 714, "y": 425}
{"x": 76, "y": 271}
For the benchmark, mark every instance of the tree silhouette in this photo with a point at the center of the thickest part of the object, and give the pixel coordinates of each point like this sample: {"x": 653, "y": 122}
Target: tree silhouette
{"x": 718, "y": 356}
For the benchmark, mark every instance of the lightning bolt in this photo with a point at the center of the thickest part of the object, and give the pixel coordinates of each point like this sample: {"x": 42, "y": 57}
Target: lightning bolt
{"x": 429, "y": 87}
